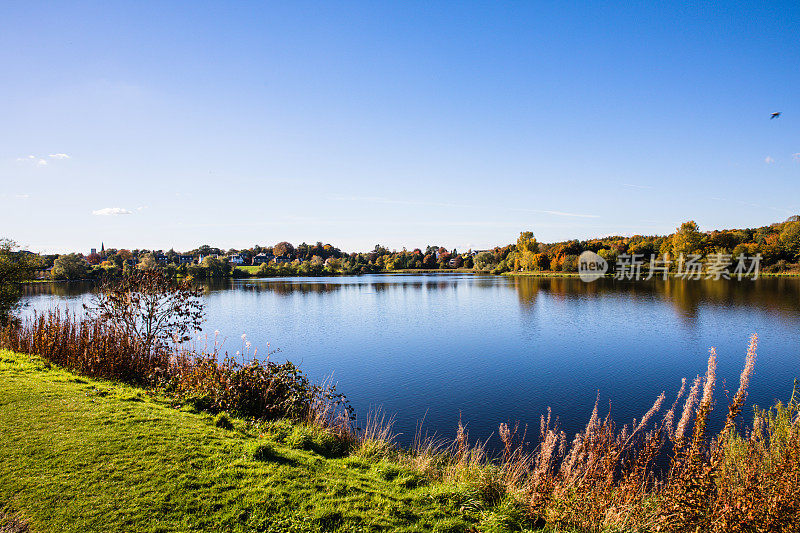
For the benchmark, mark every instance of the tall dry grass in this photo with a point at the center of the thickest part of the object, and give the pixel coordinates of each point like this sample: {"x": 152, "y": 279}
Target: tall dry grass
{"x": 655, "y": 475}
{"x": 663, "y": 472}
{"x": 88, "y": 347}
{"x": 212, "y": 381}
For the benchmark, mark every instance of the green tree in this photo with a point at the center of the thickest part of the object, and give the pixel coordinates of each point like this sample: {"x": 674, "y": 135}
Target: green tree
{"x": 69, "y": 267}
{"x": 484, "y": 260}
{"x": 15, "y": 267}
{"x": 215, "y": 268}
{"x": 687, "y": 239}
{"x": 609, "y": 255}
{"x": 570, "y": 264}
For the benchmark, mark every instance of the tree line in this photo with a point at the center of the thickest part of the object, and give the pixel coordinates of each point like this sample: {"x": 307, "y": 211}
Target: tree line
{"x": 778, "y": 246}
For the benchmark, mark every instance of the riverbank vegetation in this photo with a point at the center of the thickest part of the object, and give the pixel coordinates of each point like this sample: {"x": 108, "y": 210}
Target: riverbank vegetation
{"x": 777, "y": 246}
{"x": 666, "y": 471}
{"x": 83, "y": 455}
{"x": 15, "y": 268}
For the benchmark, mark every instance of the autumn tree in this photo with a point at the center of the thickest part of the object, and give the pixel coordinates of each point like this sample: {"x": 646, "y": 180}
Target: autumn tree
{"x": 527, "y": 247}
{"x": 94, "y": 259}
{"x": 282, "y": 249}
{"x": 69, "y": 267}
{"x": 334, "y": 264}
{"x": 790, "y": 239}
{"x": 147, "y": 262}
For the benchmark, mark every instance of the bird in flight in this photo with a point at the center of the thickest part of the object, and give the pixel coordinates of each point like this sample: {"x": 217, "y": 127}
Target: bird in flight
{"x": 776, "y": 114}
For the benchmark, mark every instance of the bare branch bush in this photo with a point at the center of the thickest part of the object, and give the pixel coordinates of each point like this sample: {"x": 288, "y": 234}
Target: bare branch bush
{"x": 149, "y": 307}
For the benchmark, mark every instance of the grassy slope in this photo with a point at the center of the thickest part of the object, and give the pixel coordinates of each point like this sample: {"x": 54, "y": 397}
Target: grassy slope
{"x": 86, "y": 455}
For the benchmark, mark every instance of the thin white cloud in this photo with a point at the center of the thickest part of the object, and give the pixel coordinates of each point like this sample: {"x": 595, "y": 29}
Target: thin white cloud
{"x": 33, "y": 160}
{"x": 22, "y": 196}
{"x": 634, "y": 186}
{"x": 59, "y": 156}
{"x": 750, "y": 204}
{"x": 141, "y": 208}
{"x": 768, "y": 160}
{"x": 111, "y": 211}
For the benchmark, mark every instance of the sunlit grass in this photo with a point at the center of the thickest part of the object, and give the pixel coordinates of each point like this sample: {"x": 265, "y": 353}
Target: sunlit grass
{"x": 79, "y": 454}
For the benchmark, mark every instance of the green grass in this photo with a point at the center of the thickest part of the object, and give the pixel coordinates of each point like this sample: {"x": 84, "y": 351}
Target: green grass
{"x": 78, "y": 454}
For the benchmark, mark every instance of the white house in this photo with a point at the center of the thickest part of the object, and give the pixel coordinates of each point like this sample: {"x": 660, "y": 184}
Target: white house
{"x": 236, "y": 259}
{"x": 201, "y": 257}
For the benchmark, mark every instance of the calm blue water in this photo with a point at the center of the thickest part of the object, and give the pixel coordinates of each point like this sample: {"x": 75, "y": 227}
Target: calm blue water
{"x": 498, "y": 349}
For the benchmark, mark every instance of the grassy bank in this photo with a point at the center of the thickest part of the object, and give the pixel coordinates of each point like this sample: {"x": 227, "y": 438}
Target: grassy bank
{"x": 79, "y": 454}
{"x": 251, "y": 270}
{"x": 84, "y": 451}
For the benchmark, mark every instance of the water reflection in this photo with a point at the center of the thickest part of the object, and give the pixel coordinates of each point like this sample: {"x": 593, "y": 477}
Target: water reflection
{"x": 779, "y": 296}
{"x": 499, "y": 349}
{"x": 326, "y": 285}
{"x": 60, "y": 289}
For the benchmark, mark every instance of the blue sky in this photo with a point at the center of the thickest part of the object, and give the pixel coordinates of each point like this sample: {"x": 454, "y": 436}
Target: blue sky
{"x": 407, "y": 123}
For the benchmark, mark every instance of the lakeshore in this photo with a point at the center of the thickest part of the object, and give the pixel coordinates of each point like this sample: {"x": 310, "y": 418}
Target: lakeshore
{"x": 389, "y": 340}
{"x": 89, "y": 454}
{"x": 435, "y": 267}
{"x": 82, "y": 454}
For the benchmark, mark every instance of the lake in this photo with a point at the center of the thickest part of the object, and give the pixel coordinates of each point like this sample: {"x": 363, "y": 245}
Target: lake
{"x": 493, "y": 349}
